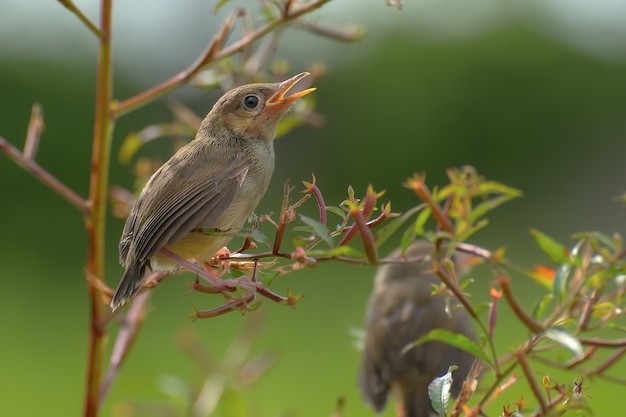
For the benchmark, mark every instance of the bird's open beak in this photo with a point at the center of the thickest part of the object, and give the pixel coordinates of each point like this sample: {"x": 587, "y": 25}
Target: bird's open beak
{"x": 278, "y": 99}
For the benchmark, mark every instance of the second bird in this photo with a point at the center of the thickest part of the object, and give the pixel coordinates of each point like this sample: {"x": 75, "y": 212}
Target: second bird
{"x": 402, "y": 309}
{"x": 212, "y": 183}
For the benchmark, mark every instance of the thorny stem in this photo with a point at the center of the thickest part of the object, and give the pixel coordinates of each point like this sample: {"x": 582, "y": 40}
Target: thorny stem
{"x": 213, "y": 55}
{"x": 95, "y": 221}
{"x": 366, "y": 236}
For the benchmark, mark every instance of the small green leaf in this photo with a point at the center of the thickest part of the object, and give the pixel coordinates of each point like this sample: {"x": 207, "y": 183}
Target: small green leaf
{"x": 407, "y": 238}
{"x": 318, "y": 229}
{"x": 439, "y": 391}
{"x": 469, "y": 232}
{"x": 566, "y": 339}
{"x": 557, "y": 252}
{"x": 219, "y": 5}
{"x": 600, "y": 237}
{"x": 287, "y": 124}
{"x": 481, "y": 308}
{"x": 391, "y": 226}
{"x": 336, "y": 210}
{"x": 559, "y": 286}
{"x": 453, "y": 339}
{"x": 130, "y": 146}
{"x": 257, "y": 236}
{"x": 540, "y": 306}
{"x": 232, "y": 403}
{"x": 493, "y": 187}
{"x": 338, "y": 251}
{"x": 486, "y": 206}
{"x": 422, "y": 218}
{"x": 267, "y": 280}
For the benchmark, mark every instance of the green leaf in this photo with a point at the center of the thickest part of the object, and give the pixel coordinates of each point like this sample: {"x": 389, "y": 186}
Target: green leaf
{"x": 469, "y": 232}
{"x": 559, "y": 286}
{"x": 557, "y": 252}
{"x": 336, "y": 210}
{"x": 219, "y": 5}
{"x": 483, "y": 208}
{"x": 565, "y": 339}
{"x": 318, "y": 229}
{"x": 422, "y": 218}
{"x": 257, "y": 236}
{"x": 600, "y": 237}
{"x": 287, "y": 124}
{"x": 453, "y": 339}
{"x": 407, "y": 238}
{"x": 439, "y": 391}
{"x": 390, "y": 227}
{"x": 129, "y": 148}
{"x": 338, "y": 251}
{"x": 493, "y": 187}
{"x": 540, "y": 306}
{"x": 232, "y": 403}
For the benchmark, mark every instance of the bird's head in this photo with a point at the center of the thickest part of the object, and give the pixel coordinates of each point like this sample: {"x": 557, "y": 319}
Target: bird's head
{"x": 254, "y": 110}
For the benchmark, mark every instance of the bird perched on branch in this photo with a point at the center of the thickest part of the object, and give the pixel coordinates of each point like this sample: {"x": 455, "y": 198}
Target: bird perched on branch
{"x": 208, "y": 188}
{"x": 402, "y": 309}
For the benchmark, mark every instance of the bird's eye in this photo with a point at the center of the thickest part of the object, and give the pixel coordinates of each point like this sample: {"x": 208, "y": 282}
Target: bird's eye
{"x": 251, "y": 101}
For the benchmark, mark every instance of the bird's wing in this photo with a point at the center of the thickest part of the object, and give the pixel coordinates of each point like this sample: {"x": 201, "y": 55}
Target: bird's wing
{"x": 179, "y": 207}
{"x": 392, "y": 323}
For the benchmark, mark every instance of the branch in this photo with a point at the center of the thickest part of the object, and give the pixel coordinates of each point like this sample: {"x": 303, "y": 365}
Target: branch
{"x": 69, "y": 5}
{"x": 417, "y": 184}
{"x": 95, "y": 223}
{"x": 212, "y": 54}
{"x": 42, "y": 175}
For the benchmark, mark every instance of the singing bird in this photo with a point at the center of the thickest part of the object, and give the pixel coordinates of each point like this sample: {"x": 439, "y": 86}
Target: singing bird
{"x": 211, "y": 184}
{"x": 402, "y": 309}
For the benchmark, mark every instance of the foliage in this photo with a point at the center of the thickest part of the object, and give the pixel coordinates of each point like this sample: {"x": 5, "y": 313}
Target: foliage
{"x": 584, "y": 288}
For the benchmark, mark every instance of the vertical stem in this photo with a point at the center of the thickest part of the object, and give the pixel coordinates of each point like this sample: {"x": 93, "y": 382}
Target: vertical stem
{"x": 96, "y": 216}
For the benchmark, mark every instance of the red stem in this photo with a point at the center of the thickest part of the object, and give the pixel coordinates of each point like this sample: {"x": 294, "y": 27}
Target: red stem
{"x": 532, "y": 325}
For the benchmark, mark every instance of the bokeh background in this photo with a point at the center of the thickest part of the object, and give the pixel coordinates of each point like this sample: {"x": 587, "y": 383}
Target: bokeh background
{"x": 533, "y": 94}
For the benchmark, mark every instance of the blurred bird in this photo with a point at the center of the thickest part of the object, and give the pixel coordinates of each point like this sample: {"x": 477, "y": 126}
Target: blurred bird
{"x": 402, "y": 309}
{"x": 211, "y": 184}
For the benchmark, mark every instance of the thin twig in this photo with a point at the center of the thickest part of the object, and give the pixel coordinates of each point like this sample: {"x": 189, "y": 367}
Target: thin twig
{"x": 521, "y": 358}
{"x": 34, "y": 169}
{"x": 210, "y": 55}
{"x": 531, "y": 324}
{"x": 81, "y": 16}
{"x": 126, "y": 336}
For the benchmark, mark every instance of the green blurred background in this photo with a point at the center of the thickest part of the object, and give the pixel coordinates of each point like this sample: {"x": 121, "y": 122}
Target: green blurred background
{"x": 510, "y": 89}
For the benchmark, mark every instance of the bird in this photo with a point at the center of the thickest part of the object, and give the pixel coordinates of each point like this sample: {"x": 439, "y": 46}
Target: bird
{"x": 400, "y": 310}
{"x": 208, "y": 188}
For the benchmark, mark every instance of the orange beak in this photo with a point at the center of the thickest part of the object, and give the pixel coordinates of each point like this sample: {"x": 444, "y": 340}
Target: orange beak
{"x": 278, "y": 101}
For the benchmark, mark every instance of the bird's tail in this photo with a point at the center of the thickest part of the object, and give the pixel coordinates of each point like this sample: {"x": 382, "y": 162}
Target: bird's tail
{"x": 417, "y": 402}
{"x": 129, "y": 285}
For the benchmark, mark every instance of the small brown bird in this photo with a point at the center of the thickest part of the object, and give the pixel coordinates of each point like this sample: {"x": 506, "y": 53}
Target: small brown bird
{"x": 402, "y": 309}
{"x": 212, "y": 183}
